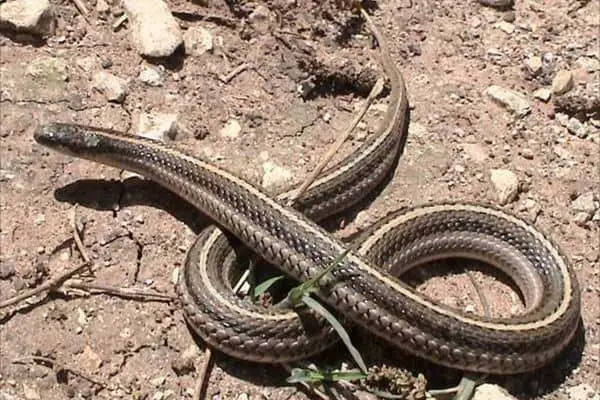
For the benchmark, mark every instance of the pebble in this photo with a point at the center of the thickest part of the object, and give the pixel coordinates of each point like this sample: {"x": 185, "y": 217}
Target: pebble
{"x": 275, "y": 176}
{"x": 113, "y": 87}
{"x": 39, "y": 219}
{"x": 231, "y": 130}
{"x": 488, "y": 391}
{"x": 154, "y": 30}
{"x": 151, "y": 76}
{"x": 577, "y": 128}
{"x": 585, "y": 203}
{"x": 506, "y": 185}
{"x": 102, "y": 7}
{"x": 562, "y": 82}
{"x": 158, "y": 381}
{"x": 184, "y": 364}
{"x": 534, "y": 65}
{"x": 158, "y": 126}
{"x": 260, "y": 19}
{"x": 198, "y": 41}
{"x": 543, "y": 94}
{"x": 514, "y": 101}
{"x": 29, "y": 16}
{"x": 527, "y": 153}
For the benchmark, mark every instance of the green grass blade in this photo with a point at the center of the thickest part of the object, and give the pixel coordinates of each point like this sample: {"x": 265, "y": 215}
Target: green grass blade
{"x": 297, "y": 294}
{"x": 266, "y": 285}
{"x": 315, "y": 305}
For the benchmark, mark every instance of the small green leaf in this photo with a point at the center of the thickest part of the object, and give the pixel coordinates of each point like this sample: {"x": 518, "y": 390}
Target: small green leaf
{"x": 266, "y": 285}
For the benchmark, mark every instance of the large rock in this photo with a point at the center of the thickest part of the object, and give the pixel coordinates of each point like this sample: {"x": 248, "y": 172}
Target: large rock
{"x": 30, "y": 16}
{"x": 154, "y": 30}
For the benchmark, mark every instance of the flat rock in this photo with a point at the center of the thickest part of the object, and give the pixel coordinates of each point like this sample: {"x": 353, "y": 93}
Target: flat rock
{"x": 577, "y": 128}
{"x": 513, "y": 101}
{"x": 562, "y": 82}
{"x": 44, "y": 80}
{"x": 475, "y": 152}
{"x": 506, "y": 185}
{"x": 113, "y": 87}
{"x": 158, "y": 126}
{"x": 29, "y": 16}
{"x": 154, "y": 30}
{"x": 585, "y": 203}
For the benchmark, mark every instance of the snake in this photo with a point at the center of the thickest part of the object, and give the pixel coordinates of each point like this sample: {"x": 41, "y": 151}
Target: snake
{"x": 365, "y": 287}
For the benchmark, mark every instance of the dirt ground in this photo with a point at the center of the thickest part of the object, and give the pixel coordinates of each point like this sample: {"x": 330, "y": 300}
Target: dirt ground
{"x": 137, "y": 234}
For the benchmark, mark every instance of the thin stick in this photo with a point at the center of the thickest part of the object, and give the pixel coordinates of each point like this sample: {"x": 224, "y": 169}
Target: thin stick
{"x": 117, "y": 291}
{"x": 201, "y": 382}
{"x": 236, "y": 71}
{"x": 56, "y": 365}
{"x": 480, "y": 294}
{"x": 80, "y": 5}
{"x": 46, "y": 286}
{"x": 120, "y": 21}
{"x": 77, "y": 237}
{"x": 375, "y": 91}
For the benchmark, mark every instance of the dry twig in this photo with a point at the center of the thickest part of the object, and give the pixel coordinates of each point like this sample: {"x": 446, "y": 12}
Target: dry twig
{"x": 236, "y": 71}
{"x": 130, "y": 293}
{"x": 375, "y": 91}
{"x": 46, "y": 286}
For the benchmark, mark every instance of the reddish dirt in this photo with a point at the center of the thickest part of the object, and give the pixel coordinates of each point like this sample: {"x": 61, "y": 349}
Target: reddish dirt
{"x": 137, "y": 234}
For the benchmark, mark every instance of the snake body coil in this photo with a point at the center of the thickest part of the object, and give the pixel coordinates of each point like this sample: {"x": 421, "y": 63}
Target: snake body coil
{"x": 363, "y": 287}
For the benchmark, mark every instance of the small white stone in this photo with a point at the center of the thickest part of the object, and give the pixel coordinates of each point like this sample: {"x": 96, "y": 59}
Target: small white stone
{"x": 488, "y": 391}
{"x": 102, "y": 7}
{"x": 506, "y": 185}
{"x": 231, "y": 130}
{"x": 543, "y": 94}
{"x": 198, "y": 41}
{"x": 113, "y": 87}
{"x": 158, "y": 126}
{"x": 534, "y": 64}
{"x": 151, "y": 76}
